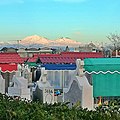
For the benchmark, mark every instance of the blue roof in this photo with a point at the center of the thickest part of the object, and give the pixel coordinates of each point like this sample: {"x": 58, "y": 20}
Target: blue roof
{"x": 60, "y": 66}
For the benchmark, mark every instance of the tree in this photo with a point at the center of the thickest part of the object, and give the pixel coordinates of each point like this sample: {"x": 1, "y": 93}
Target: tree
{"x": 115, "y": 39}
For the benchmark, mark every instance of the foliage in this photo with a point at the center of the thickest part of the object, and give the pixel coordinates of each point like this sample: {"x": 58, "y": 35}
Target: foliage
{"x": 14, "y": 109}
{"x": 115, "y": 39}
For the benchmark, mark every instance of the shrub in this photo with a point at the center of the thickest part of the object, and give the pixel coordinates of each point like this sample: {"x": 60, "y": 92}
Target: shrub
{"x": 13, "y": 109}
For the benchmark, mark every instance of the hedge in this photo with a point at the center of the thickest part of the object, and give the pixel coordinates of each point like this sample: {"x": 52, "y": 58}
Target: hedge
{"x": 14, "y": 109}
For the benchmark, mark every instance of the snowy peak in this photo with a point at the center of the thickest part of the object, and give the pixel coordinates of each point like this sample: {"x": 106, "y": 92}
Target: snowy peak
{"x": 35, "y": 39}
{"x": 66, "y": 41}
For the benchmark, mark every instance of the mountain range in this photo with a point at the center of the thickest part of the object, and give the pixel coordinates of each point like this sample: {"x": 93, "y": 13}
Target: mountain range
{"x": 35, "y": 39}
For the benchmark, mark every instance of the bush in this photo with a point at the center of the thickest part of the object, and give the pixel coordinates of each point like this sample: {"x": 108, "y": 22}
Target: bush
{"x": 11, "y": 109}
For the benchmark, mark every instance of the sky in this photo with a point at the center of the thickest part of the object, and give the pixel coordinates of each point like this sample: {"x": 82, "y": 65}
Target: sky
{"x": 80, "y": 20}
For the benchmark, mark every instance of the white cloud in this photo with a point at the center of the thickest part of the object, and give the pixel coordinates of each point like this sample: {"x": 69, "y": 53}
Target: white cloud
{"x": 69, "y": 1}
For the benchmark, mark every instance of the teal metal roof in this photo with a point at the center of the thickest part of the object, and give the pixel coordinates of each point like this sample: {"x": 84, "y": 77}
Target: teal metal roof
{"x": 105, "y": 73}
{"x": 103, "y": 61}
{"x": 102, "y": 64}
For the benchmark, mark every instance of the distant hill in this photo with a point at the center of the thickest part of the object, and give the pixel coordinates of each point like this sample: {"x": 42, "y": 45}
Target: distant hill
{"x": 35, "y": 39}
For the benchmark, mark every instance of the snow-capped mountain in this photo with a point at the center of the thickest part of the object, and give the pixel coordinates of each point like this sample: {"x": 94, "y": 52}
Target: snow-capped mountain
{"x": 66, "y": 41}
{"x": 44, "y": 41}
{"x": 35, "y": 40}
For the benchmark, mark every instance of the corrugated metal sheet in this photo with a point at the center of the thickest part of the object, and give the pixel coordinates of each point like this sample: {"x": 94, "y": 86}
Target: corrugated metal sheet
{"x": 54, "y": 66}
{"x": 64, "y": 57}
{"x": 60, "y": 66}
{"x": 105, "y": 74}
{"x": 11, "y": 58}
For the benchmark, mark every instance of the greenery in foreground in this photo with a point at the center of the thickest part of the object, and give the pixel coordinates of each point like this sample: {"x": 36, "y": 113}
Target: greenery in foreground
{"x": 11, "y": 109}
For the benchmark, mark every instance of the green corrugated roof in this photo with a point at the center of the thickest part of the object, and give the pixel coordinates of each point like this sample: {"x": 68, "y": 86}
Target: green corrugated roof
{"x": 102, "y": 64}
{"x": 104, "y": 84}
{"x": 103, "y": 61}
{"x": 31, "y": 64}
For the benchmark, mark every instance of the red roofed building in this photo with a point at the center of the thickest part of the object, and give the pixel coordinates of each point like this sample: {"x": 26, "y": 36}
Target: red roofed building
{"x": 9, "y": 61}
{"x": 64, "y": 57}
{"x": 8, "y": 65}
